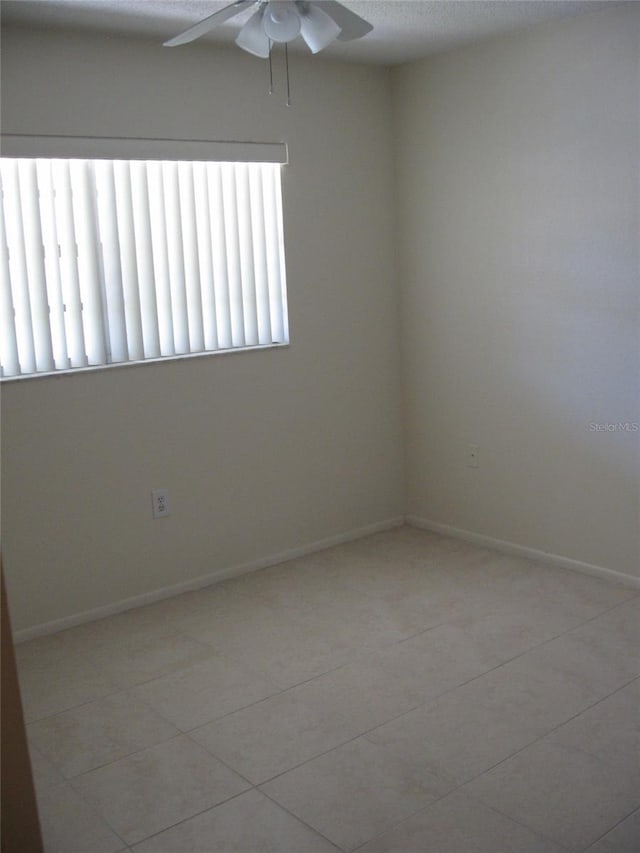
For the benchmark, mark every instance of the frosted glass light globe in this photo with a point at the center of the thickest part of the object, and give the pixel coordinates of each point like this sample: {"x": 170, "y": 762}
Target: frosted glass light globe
{"x": 281, "y": 21}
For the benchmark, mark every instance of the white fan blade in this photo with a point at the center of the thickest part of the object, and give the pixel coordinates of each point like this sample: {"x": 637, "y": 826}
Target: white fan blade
{"x": 209, "y": 23}
{"x": 253, "y": 38}
{"x": 317, "y": 28}
{"x": 352, "y": 25}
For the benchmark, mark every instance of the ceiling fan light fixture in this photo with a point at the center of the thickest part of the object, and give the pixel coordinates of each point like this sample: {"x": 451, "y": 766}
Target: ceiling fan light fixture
{"x": 318, "y": 29}
{"x": 281, "y": 21}
{"x": 320, "y": 22}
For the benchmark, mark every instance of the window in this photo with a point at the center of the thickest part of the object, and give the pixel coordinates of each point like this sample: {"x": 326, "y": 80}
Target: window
{"x": 115, "y": 261}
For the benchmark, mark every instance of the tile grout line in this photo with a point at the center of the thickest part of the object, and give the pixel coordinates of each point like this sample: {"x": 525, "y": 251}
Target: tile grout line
{"x": 615, "y": 826}
{"x": 532, "y": 743}
{"x": 96, "y": 811}
{"x": 484, "y": 805}
{"x": 293, "y": 815}
{"x": 188, "y": 818}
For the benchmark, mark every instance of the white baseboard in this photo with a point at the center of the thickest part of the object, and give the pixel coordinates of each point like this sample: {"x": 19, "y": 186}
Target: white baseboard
{"x": 515, "y": 550}
{"x": 57, "y": 625}
{"x": 479, "y": 539}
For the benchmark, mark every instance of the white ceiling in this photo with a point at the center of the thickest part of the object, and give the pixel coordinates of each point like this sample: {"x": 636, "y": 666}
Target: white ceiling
{"x": 403, "y": 29}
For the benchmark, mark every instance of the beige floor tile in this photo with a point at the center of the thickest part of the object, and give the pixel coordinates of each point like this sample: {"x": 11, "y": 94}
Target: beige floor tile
{"x": 134, "y": 629}
{"x": 44, "y": 652}
{"x": 290, "y": 651}
{"x": 142, "y": 794}
{"x": 122, "y": 629}
{"x": 169, "y": 618}
{"x": 273, "y": 736}
{"x": 565, "y": 794}
{"x": 235, "y": 622}
{"x": 514, "y": 625}
{"x": 621, "y": 624}
{"x": 394, "y": 579}
{"x": 624, "y": 838}
{"x": 340, "y": 634}
{"x": 70, "y": 825}
{"x": 458, "y": 824}
{"x": 217, "y": 598}
{"x": 250, "y": 823}
{"x": 531, "y": 694}
{"x": 53, "y": 678}
{"x": 610, "y": 730}
{"x": 297, "y": 585}
{"x": 454, "y": 735}
{"x": 98, "y": 733}
{"x": 438, "y": 660}
{"x": 589, "y": 657}
{"x": 45, "y": 774}
{"x": 363, "y": 626}
{"x": 148, "y": 658}
{"x": 205, "y": 691}
{"x": 581, "y": 595}
{"x": 367, "y": 692}
{"x": 355, "y": 792}
{"x": 286, "y": 646}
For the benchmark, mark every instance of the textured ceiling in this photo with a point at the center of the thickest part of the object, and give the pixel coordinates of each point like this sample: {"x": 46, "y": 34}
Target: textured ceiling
{"x": 403, "y": 29}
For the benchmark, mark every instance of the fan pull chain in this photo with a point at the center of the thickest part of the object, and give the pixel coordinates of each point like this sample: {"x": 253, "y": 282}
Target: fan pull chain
{"x": 286, "y": 61}
{"x": 270, "y": 68}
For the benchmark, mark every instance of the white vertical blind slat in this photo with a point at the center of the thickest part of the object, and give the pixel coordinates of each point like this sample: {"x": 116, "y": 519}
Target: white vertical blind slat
{"x": 275, "y": 254}
{"x": 203, "y": 230}
{"x": 88, "y": 266}
{"x": 52, "y": 265}
{"x": 260, "y": 255}
{"x": 18, "y": 270}
{"x": 191, "y": 259}
{"x": 34, "y": 252}
{"x": 234, "y": 269}
{"x": 247, "y": 266}
{"x": 176, "y": 257}
{"x": 160, "y": 258}
{"x": 129, "y": 268}
{"x": 219, "y": 252}
{"x": 108, "y": 226}
{"x": 144, "y": 256}
{"x": 69, "y": 263}
{"x": 9, "y": 361}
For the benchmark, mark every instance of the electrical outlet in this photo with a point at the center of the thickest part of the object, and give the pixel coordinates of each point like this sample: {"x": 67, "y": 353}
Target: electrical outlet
{"x": 473, "y": 452}
{"x": 160, "y": 503}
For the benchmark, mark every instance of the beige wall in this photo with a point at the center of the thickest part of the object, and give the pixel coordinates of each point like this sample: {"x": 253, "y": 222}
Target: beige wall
{"x": 262, "y": 452}
{"x": 518, "y": 227}
{"x": 517, "y": 239}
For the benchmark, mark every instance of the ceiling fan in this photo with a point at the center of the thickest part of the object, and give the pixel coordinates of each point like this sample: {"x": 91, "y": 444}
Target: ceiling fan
{"x": 319, "y": 22}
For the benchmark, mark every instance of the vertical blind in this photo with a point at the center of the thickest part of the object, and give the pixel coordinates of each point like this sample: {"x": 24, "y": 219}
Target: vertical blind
{"x": 112, "y": 261}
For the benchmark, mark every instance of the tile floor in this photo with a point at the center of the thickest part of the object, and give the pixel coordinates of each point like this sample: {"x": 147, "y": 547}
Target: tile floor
{"x": 405, "y": 692}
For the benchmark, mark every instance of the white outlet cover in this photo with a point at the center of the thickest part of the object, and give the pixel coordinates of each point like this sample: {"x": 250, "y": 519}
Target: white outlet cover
{"x": 473, "y": 452}
{"x": 160, "y": 503}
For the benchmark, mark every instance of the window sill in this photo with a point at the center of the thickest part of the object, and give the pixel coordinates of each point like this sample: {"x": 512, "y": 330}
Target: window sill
{"x": 95, "y": 368}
